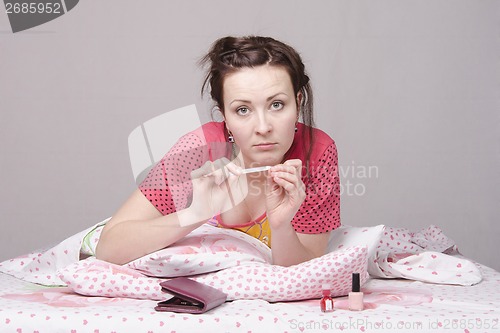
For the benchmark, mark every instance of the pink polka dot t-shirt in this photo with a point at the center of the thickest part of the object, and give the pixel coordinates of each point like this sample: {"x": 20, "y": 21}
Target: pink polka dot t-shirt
{"x": 168, "y": 185}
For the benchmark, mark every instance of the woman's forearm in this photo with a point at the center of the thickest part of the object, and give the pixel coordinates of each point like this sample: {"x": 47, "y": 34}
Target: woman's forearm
{"x": 128, "y": 240}
{"x": 287, "y": 250}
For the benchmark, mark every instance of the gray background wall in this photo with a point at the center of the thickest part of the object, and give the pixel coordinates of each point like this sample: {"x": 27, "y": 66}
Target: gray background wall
{"x": 409, "y": 88}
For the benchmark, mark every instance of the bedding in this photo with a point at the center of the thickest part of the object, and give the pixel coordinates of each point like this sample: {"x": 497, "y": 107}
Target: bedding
{"x": 54, "y": 291}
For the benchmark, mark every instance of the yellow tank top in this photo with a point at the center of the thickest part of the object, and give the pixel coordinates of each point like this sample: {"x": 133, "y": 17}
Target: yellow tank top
{"x": 259, "y": 228}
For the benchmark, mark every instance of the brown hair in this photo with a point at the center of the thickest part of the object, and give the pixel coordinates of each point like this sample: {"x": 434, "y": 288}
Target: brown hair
{"x": 228, "y": 54}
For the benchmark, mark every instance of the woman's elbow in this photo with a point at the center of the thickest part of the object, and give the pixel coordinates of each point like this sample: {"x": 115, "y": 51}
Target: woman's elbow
{"x": 104, "y": 252}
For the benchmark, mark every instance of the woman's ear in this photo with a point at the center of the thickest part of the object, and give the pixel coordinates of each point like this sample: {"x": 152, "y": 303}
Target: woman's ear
{"x": 221, "y": 111}
{"x": 299, "y": 98}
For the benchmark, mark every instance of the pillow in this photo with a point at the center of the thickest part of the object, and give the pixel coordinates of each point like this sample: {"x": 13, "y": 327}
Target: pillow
{"x": 264, "y": 281}
{"x": 206, "y": 249}
{"x": 303, "y": 281}
{"x": 94, "y": 277}
{"x": 346, "y": 236}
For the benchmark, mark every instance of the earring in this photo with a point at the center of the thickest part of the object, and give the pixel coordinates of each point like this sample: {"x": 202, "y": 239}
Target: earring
{"x": 230, "y": 138}
{"x": 296, "y": 129}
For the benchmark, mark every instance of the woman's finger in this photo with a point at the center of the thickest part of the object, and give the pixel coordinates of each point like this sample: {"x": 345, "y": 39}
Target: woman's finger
{"x": 220, "y": 173}
{"x": 224, "y": 168}
{"x": 288, "y": 176}
{"x": 202, "y": 171}
{"x": 294, "y": 162}
{"x": 219, "y": 170}
{"x": 286, "y": 184}
{"x": 234, "y": 169}
{"x": 292, "y": 166}
{"x": 297, "y": 164}
{"x": 289, "y": 182}
{"x": 288, "y": 172}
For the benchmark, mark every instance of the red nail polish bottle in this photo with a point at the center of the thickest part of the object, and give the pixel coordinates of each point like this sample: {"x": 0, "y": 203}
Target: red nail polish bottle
{"x": 326, "y": 302}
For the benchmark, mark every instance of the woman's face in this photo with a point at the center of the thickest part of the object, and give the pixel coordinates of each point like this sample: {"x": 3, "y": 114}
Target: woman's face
{"x": 260, "y": 109}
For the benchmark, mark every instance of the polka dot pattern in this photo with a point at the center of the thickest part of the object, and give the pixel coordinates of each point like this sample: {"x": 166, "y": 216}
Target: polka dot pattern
{"x": 168, "y": 186}
{"x": 320, "y": 211}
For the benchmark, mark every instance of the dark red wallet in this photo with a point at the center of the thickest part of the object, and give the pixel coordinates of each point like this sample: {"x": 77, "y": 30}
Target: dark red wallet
{"x": 189, "y": 296}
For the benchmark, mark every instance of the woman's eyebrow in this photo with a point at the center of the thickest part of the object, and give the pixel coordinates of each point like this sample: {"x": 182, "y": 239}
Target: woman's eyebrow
{"x": 249, "y": 102}
{"x": 275, "y": 95}
{"x": 240, "y": 101}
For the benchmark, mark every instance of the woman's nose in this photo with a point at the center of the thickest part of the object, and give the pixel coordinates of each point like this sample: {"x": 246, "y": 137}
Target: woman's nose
{"x": 263, "y": 125}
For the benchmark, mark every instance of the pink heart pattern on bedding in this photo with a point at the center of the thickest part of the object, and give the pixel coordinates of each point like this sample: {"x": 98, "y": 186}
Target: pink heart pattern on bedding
{"x": 252, "y": 280}
{"x": 206, "y": 249}
{"x": 303, "y": 281}
{"x": 93, "y": 277}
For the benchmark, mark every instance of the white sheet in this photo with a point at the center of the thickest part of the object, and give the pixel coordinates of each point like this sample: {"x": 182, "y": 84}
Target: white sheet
{"x": 421, "y": 256}
{"x": 391, "y": 306}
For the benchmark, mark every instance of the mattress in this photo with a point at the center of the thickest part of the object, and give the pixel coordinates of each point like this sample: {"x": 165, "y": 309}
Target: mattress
{"x": 391, "y": 305}
{"x": 411, "y": 281}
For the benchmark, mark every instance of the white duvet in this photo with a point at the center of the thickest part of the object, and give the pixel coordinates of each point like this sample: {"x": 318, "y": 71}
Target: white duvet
{"x": 240, "y": 265}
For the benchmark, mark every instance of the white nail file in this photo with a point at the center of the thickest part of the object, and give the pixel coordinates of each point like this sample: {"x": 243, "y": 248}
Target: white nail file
{"x": 258, "y": 169}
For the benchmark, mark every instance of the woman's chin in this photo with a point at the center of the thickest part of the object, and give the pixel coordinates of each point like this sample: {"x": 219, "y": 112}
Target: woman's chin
{"x": 263, "y": 162}
{"x": 263, "y": 159}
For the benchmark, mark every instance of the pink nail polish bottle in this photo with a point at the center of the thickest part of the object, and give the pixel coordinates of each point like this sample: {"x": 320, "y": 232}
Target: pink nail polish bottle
{"x": 326, "y": 302}
{"x": 356, "y": 296}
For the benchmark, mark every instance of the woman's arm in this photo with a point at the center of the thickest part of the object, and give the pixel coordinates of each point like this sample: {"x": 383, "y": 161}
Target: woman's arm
{"x": 318, "y": 213}
{"x": 291, "y": 248}
{"x": 285, "y": 193}
{"x": 138, "y": 228}
{"x": 149, "y": 219}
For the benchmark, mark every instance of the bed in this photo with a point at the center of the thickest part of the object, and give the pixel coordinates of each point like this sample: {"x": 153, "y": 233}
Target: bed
{"x": 412, "y": 282}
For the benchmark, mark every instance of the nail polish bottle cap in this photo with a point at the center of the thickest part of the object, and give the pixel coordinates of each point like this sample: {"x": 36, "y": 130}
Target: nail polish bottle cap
{"x": 326, "y": 289}
{"x": 355, "y": 282}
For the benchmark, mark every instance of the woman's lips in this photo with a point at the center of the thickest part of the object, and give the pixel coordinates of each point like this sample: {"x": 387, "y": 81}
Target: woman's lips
{"x": 265, "y": 146}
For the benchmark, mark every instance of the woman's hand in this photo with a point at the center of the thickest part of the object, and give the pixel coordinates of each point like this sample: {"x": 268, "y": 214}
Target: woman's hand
{"x": 216, "y": 188}
{"x": 285, "y": 192}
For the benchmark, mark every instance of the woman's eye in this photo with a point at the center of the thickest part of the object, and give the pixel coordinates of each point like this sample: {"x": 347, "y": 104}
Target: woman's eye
{"x": 276, "y": 105}
{"x": 242, "y": 111}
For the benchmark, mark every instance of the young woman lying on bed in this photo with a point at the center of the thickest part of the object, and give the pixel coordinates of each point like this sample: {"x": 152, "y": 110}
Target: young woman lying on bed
{"x": 260, "y": 86}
